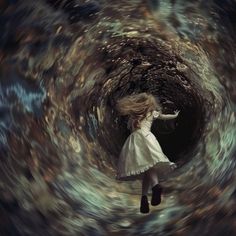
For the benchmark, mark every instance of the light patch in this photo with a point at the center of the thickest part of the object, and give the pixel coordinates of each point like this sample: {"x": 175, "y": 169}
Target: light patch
{"x": 75, "y": 144}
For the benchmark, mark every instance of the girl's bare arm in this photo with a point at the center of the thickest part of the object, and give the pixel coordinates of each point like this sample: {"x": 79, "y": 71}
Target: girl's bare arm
{"x": 168, "y": 116}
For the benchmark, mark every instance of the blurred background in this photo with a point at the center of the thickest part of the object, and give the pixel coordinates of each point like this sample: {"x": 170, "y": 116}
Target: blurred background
{"x": 63, "y": 64}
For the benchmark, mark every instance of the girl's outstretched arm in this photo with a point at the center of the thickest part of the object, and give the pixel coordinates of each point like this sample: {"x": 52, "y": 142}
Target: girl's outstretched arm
{"x": 168, "y": 116}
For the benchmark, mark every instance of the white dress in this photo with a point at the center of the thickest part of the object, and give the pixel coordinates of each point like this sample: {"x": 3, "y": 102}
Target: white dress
{"x": 142, "y": 151}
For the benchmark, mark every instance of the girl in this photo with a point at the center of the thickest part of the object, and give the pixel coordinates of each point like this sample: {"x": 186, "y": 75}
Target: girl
{"x": 141, "y": 156}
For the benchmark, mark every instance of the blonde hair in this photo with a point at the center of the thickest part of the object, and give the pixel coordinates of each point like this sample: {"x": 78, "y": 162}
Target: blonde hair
{"x": 137, "y": 107}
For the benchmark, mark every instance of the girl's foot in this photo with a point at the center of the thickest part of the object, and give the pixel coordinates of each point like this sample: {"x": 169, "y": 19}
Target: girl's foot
{"x": 144, "y": 206}
{"x": 156, "y": 195}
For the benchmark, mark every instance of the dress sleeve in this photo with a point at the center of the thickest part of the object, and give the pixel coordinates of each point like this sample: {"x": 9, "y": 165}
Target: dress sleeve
{"x": 155, "y": 114}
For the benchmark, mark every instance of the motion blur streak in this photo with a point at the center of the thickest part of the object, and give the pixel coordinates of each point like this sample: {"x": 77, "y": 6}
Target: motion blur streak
{"x": 63, "y": 65}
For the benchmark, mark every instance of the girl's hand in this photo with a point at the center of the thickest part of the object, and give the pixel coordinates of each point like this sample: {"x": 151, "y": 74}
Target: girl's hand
{"x": 177, "y": 112}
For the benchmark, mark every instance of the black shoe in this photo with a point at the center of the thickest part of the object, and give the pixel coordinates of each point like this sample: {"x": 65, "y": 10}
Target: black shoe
{"x": 156, "y": 195}
{"x": 144, "y": 207}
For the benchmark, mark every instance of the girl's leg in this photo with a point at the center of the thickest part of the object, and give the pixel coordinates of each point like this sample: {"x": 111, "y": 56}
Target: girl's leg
{"x": 145, "y": 184}
{"x": 153, "y": 177}
{"x": 144, "y": 205}
{"x": 156, "y": 188}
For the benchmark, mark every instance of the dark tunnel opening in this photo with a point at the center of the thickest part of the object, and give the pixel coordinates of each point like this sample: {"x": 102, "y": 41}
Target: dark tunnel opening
{"x": 158, "y": 75}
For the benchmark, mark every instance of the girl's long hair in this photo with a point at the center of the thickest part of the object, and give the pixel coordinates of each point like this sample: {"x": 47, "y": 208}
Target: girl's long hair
{"x": 137, "y": 107}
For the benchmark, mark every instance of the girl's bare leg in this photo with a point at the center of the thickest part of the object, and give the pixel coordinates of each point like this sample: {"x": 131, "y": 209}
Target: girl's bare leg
{"x": 152, "y": 175}
{"x": 156, "y": 188}
{"x": 145, "y": 184}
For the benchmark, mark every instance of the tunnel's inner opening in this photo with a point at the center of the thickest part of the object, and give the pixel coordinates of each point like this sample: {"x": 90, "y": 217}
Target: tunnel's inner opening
{"x": 152, "y": 69}
{"x": 177, "y": 137}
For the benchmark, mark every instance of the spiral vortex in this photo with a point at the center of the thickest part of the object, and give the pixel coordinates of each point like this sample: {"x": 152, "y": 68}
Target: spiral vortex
{"x": 63, "y": 66}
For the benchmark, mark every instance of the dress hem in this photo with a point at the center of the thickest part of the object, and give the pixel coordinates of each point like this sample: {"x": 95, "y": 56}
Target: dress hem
{"x": 133, "y": 173}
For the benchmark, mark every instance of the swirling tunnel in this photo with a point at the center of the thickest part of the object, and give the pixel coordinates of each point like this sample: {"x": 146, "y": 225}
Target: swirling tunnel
{"x": 64, "y": 64}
